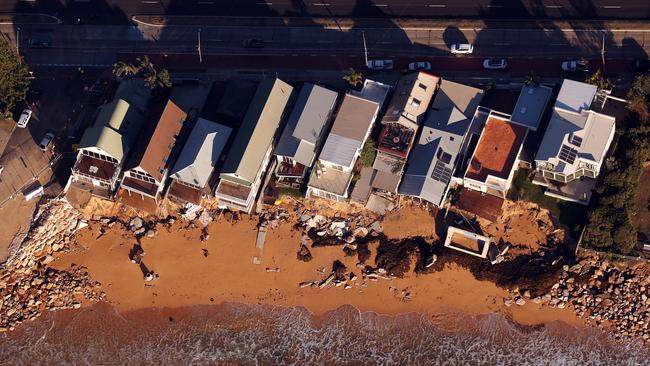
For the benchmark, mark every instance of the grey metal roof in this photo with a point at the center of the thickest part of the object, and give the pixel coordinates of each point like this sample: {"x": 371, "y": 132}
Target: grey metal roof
{"x": 304, "y": 128}
{"x": 256, "y": 132}
{"x": 444, "y": 129}
{"x": 348, "y": 134}
{"x": 201, "y": 152}
{"x": 531, "y": 105}
{"x": 575, "y": 96}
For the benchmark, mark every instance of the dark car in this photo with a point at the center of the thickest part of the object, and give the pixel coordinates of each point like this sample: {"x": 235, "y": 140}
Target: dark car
{"x": 253, "y": 43}
{"x": 39, "y": 41}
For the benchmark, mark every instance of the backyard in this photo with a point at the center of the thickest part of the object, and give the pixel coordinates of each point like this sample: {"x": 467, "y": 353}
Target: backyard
{"x": 570, "y": 214}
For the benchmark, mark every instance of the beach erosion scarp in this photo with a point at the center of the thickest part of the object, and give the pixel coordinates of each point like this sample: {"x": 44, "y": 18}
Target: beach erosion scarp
{"x": 197, "y": 265}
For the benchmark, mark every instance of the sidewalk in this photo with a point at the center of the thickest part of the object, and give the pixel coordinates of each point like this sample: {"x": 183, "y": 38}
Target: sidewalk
{"x": 348, "y": 23}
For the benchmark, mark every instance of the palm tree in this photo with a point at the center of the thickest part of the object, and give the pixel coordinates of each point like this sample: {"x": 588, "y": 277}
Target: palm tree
{"x": 599, "y": 80}
{"x": 146, "y": 66}
{"x": 353, "y": 77}
{"x": 531, "y": 79}
{"x": 124, "y": 69}
{"x": 159, "y": 79}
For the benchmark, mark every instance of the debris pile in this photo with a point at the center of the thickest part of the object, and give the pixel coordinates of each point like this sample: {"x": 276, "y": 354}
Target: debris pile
{"x": 606, "y": 295}
{"x": 338, "y": 230}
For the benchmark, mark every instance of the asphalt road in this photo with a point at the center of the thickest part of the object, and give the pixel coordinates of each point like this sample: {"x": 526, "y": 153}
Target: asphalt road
{"x": 100, "y": 45}
{"x": 119, "y": 11}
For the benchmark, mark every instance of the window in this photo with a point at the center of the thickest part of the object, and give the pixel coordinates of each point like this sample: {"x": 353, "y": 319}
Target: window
{"x": 422, "y": 86}
{"x": 415, "y": 102}
{"x": 409, "y": 116}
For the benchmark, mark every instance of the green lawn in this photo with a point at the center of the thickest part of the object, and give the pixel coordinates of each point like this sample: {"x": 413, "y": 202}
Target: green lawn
{"x": 573, "y": 215}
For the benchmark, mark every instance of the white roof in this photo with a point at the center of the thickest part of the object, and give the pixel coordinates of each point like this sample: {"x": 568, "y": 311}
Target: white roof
{"x": 201, "y": 153}
{"x": 575, "y": 96}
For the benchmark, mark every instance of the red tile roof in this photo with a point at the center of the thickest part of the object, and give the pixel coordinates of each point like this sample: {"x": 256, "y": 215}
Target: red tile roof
{"x": 497, "y": 150}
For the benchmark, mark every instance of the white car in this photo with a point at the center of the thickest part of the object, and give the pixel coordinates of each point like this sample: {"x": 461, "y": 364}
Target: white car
{"x": 422, "y": 65}
{"x": 462, "y": 48}
{"x": 495, "y": 63}
{"x": 380, "y": 64}
{"x": 46, "y": 141}
{"x": 24, "y": 118}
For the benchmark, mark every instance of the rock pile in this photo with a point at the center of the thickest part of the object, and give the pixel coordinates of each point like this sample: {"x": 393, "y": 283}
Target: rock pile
{"x": 28, "y": 286}
{"x": 606, "y": 295}
{"x": 52, "y": 229}
{"x": 24, "y": 296}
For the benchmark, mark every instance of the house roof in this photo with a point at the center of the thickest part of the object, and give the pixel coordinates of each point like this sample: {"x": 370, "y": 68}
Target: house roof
{"x": 115, "y": 130}
{"x": 374, "y": 91}
{"x": 419, "y": 86}
{"x": 531, "y": 105}
{"x": 592, "y": 129}
{"x": 256, "y": 131}
{"x": 432, "y": 159}
{"x": 575, "y": 96}
{"x": 354, "y": 119}
{"x": 497, "y": 150}
{"x": 201, "y": 152}
{"x": 152, "y": 157}
{"x": 304, "y": 128}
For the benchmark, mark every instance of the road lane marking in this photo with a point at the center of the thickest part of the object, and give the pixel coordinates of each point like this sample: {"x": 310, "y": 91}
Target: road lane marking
{"x": 437, "y": 6}
{"x": 206, "y": 2}
{"x": 495, "y": 6}
{"x": 502, "y": 44}
{"x": 264, "y": 3}
{"x": 381, "y": 5}
{"x": 559, "y": 44}
{"x": 149, "y": 2}
{"x": 553, "y": 6}
{"x": 611, "y": 6}
{"x": 320, "y": 4}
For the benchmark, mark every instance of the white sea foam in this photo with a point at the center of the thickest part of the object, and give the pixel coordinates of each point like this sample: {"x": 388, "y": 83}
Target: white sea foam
{"x": 249, "y": 334}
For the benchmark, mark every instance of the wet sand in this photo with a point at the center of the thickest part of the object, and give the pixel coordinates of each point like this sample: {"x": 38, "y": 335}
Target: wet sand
{"x": 227, "y": 274}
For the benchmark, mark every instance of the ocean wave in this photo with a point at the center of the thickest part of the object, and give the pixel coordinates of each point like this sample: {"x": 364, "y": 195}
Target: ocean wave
{"x": 263, "y": 334}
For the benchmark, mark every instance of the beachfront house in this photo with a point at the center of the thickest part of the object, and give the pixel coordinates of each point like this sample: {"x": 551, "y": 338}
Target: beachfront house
{"x": 243, "y": 171}
{"x": 332, "y": 173}
{"x": 441, "y": 142}
{"x": 194, "y": 167}
{"x": 495, "y": 159}
{"x": 405, "y": 113}
{"x": 574, "y": 146}
{"x": 146, "y": 170}
{"x": 301, "y": 138}
{"x": 105, "y": 145}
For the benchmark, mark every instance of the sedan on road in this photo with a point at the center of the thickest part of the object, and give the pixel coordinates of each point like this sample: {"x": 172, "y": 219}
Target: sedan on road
{"x": 462, "y": 48}
{"x": 253, "y": 43}
{"x": 417, "y": 66}
{"x": 46, "y": 141}
{"x": 495, "y": 63}
{"x": 576, "y": 66}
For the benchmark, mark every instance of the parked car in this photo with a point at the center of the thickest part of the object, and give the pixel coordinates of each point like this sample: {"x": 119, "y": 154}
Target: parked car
{"x": 422, "y": 65}
{"x": 495, "y": 63}
{"x": 462, "y": 48}
{"x": 253, "y": 43}
{"x": 576, "y": 66}
{"x": 46, "y": 141}
{"x": 95, "y": 89}
{"x": 380, "y": 64}
{"x": 2, "y": 168}
{"x": 24, "y": 118}
{"x": 39, "y": 41}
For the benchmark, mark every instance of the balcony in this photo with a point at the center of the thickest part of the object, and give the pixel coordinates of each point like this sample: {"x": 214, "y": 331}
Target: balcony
{"x": 288, "y": 170}
{"x": 396, "y": 139}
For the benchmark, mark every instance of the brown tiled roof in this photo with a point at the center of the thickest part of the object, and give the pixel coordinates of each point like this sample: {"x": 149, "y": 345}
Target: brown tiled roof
{"x": 154, "y": 158}
{"x": 497, "y": 150}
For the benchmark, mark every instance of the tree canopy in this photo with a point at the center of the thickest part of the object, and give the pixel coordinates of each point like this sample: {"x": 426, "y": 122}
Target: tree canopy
{"x": 14, "y": 78}
{"x": 153, "y": 77}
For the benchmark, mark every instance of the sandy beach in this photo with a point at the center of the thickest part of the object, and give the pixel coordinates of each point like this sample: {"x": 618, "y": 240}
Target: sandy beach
{"x": 227, "y": 273}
